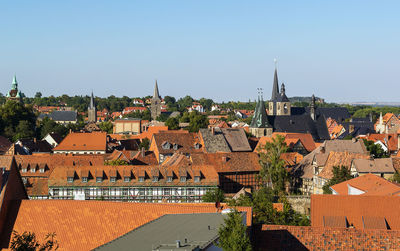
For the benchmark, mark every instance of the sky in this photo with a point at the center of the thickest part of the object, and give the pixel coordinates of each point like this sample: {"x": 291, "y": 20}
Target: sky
{"x": 343, "y": 51}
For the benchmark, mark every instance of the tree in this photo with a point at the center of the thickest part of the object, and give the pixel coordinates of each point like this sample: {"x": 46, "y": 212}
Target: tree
{"x": 273, "y": 167}
{"x": 27, "y": 242}
{"x": 206, "y": 103}
{"x": 117, "y": 162}
{"x": 340, "y": 174}
{"x": 11, "y": 113}
{"x": 197, "y": 121}
{"x": 375, "y": 150}
{"x": 172, "y": 123}
{"x": 232, "y": 234}
{"x": 48, "y": 126}
{"x": 106, "y": 126}
{"x": 162, "y": 117}
{"x": 145, "y": 144}
{"x": 214, "y": 195}
{"x": 24, "y": 130}
{"x": 185, "y": 102}
{"x": 38, "y": 95}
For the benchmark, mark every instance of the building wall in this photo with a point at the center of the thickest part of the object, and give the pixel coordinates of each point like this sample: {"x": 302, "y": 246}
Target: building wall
{"x": 133, "y": 194}
{"x": 300, "y": 203}
{"x": 81, "y": 152}
{"x": 280, "y": 108}
{"x": 261, "y": 132}
{"x": 131, "y": 127}
{"x": 276, "y": 237}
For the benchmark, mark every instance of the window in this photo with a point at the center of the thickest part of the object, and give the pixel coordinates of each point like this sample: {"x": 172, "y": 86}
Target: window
{"x": 166, "y": 145}
{"x": 176, "y": 146}
{"x": 127, "y": 179}
{"x": 197, "y": 146}
{"x": 196, "y": 178}
{"x": 155, "y": 178}
{"x": 41, "y": 170}
{"x": 113, "y": 179}
{"x": 99, "y": 179}
{"x": 183, "y": 178}
{"x": 141, "y": 179}
{"x": 24, "y": 170}
{"x": 84, "y": 179}
{"x": 169, "y": 179}
{"x": 70, "y": 179}
{"x": 33, "y": 170}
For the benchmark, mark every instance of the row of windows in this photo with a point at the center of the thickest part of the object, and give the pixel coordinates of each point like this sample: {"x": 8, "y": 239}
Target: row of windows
{"x": 128, "y": 179}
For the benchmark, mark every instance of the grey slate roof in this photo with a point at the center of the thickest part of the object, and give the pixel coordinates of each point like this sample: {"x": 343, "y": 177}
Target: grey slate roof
{"x": 61, "y": 115}
{"x": 214, "y": 143}
{"x": 301, "y": 124}
{"x": 199, "y": 230}
{"x": 237, "y": 139}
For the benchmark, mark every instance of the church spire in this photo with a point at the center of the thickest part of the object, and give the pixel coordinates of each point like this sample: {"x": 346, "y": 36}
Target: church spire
{"x": 14, "y": 83}
{"x": 275, "y": 85}
{"x": 156, "y": 93}
{"x": 91, "y": 101}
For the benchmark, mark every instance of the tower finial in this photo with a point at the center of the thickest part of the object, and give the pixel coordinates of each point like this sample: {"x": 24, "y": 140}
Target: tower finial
{"x": 275, "y": 62}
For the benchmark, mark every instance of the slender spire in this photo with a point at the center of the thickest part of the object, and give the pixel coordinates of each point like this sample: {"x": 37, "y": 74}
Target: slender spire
{"x": 14, "y": 82}
{"x": 260, "y": 119}
{"x": 91, "y": 101}
{"x": 275, "y": 85}
{"x": 156, "y": 93}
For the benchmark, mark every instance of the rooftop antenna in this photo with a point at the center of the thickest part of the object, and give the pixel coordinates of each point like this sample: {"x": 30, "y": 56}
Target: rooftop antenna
{"x": 275, "y": 62}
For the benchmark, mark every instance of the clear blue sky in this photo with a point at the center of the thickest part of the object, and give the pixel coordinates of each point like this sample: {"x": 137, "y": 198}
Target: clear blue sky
{"x": 224, "y": 50}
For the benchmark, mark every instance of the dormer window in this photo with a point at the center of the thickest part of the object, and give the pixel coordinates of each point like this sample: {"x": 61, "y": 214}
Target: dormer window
{"x": 197, "y": 176}
{"x": 99, "y": 179}
{"x": 70, "y": 179}
{"x": 169, "y": 179}
{"x": 176, "y": 146}
{"x": 142, "y": 175}
{"x": 166, "y": 145}
{"x": 84, "y": 179}
{"x": 33, "y": 169}
{"x": 113, "y": 175}
{"x": 196, "y": 146}
{"x": 24, "y": 168}
{"x": 99, "y": 176}
{"x": 182, "y": 175}
{"x": 155, "y": 178}
{"x": 141, "y": 179}
{"x": 70, "y": 176}
{"x": 113, "y": 179}
{"x": 127, "y": 179}
{"x": 155, "y": 173}
{"x": 183, "y": 179}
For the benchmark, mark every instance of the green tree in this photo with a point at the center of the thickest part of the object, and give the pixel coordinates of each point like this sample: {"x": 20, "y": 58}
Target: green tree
{"x": 145, "y": 144}
{"x": 273, "y": 167}
{"x": 11, "y": 114}
{"x": 185, "y": 102}
{"x": 197, "y": 121}
{"x": 232, "y": 234}
{"x": 48, "y": 126}
{"x": 117, "y": 162}
{"x": 162, "y": 117}
{"x": 172, "y": 123}
{"x": 375, "y": 150}
{"x": 106, "y": 126}
{"x": 396, "y": 177}
{"x": 27, "y": 242}
{"x": 206, "y": 103}
{"x": 24, "y": 130}
{"x": 38, "y": 95}
{"x": 214, "y": 195}
{"x": 340, "y": 174}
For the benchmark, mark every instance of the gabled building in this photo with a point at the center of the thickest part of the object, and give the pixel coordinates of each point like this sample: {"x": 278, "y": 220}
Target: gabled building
{"x": 224, "y": 140}
{"x": 83, "y": 143}
{"x": 382, "y": 167}
{"x": 368, "y": 184}
{"x": 389, "y": 123}
{"x": 165, "y": 144}
{"x": 61, "y": 117}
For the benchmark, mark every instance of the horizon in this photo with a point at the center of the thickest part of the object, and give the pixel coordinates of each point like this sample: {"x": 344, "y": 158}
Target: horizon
{"x": 223, "y": 51}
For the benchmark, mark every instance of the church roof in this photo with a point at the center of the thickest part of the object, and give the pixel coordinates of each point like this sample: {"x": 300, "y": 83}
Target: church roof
{"x": 260, "y": 119}
{"x": 156, "y": 93}
{"x": 91, "y": 106}
{"x": 275, "y": 87}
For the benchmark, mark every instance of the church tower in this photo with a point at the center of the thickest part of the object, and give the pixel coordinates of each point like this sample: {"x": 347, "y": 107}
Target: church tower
{"x": 279, "y": 105}
{"x": 260, "y": 126}
{"x": 155, "y": 106}
{"x": 92, "y": 115}
{"x": 14, "y": 93}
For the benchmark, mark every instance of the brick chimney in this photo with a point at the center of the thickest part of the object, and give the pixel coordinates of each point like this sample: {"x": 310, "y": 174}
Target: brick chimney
{"x": 142, "y": 152}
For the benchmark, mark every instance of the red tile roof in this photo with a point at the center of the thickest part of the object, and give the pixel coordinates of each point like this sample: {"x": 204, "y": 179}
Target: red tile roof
{"x": 355, "y": 208}
{"x": 291, "y": 138}
{"x": 371, "y": 184}
{"x": 76, "y": 141}
{"x": 84, "y": 225}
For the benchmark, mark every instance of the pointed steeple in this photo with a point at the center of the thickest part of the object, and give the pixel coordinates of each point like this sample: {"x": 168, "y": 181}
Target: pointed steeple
{"x": 91, "y": 101}
{"x": 260, "y": 119}
{"x": 156, "y": 93}
{"x": 14, "y": 83}
{"x": 275, "y": 86}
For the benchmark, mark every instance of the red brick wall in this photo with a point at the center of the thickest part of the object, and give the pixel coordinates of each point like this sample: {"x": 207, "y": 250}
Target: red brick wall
{"x": 274, "y": 237}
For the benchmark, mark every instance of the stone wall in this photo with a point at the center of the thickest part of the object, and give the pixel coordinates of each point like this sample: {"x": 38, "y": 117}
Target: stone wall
{"x": 275, "y": 237}
{"x": 300, "y": 203}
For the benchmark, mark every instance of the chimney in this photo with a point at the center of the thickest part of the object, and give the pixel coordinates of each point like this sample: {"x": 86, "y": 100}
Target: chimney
{"x": 212, "y": 130}
{"x": 178, "y": 243}
{"x": 322, "y": 149}
{"x": 34, "y": 140}
{"x": 70, "y": 130}
{"x": 142, "y": 151}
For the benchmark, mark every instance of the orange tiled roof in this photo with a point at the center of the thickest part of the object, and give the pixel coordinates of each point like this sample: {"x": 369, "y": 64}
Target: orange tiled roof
{"x": 291, "y": 138}
{"x": 339, "y": 159}
{"x": 185, "y": 142}
{"x": 84, "y": 225}
{"x": 371, "y": 184}
{"x": 76, "y": 141}
{"x": 390, "y": 140}
{"x": 291, "y": 158}
{"x": 355, "y": 209}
